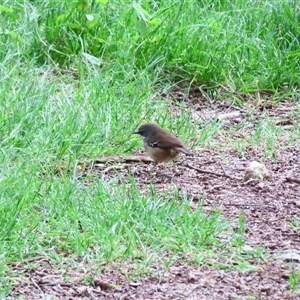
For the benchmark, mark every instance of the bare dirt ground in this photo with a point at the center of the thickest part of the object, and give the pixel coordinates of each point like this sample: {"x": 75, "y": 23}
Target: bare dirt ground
{"x": 270, "y": 208}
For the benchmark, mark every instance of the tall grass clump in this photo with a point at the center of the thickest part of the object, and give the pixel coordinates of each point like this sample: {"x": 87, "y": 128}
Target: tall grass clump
{"x": 249, "y": 45}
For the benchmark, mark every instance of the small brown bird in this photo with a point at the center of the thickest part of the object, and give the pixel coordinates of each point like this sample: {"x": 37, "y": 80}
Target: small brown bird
{"x": 161, "y": 145}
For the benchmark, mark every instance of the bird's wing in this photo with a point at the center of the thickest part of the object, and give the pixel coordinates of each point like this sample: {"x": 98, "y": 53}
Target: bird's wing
{"x": 167, "y": 144}
{"x": 178, "y": 146}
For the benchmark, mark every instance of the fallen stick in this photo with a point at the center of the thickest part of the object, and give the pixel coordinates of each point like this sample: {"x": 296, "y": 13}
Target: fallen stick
{"x": 122, "y": 158}
{"x": 293, "y": 179}
{"x": 115, "y": 167}
{"x": 210, "y": 172}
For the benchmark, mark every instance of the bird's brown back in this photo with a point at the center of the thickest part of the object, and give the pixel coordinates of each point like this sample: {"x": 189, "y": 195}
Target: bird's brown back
{"x": 168, "y": 140}
{"x": 158, "y": 137}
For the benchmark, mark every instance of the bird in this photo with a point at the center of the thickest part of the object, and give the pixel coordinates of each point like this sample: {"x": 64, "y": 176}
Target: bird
{"x": 159, "y": 144}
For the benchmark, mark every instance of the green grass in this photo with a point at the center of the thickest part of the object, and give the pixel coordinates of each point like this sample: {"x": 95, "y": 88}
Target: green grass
{"x": 294, "y": 278}
{"x": 248, "y": 45}
{"x": 77, "y": 77}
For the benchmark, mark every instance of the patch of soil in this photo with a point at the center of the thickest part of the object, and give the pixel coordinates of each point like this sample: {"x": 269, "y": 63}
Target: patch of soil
{"x": 181, "y": 281}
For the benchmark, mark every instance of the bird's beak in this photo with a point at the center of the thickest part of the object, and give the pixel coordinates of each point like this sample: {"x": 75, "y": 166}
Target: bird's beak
{"x": 136, "y": 132}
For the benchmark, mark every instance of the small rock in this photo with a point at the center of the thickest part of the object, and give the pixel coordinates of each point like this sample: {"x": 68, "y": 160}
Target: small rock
{"x": 135, "y": 283}
{"x": 261, "y": 185}
{"x": 82, "y": 290}
{"x": 191, "y": 277}
{"x": 256, "y": 170}
{"x": 102, "y": 284}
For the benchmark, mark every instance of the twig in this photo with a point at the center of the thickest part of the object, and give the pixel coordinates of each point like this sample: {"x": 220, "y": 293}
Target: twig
{"x": 251, "y": 180}
{"x": 243, "y": 110}
{"x": 35, "y": 284}
{"x": 277, "y": 219}
{"x": 32, "y": 259}
{"x": 228, "y": 116}
{"x": 287, "y": 108}
{"x": 208, "y": 163}
{"x": 202, "y": 164}
{"x": 114, "y": 167}
{"x": 122, "y": 158}
{"x": 208, "y": 172}
{"x": 225, "y": 173}
{"x": 293, "y": 179}
{"x": 248, "y": 205}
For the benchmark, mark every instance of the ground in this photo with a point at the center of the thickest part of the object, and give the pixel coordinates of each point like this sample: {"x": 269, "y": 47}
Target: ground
{"x": 268, "y": 209}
